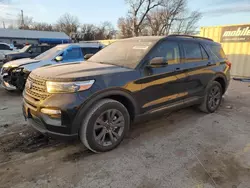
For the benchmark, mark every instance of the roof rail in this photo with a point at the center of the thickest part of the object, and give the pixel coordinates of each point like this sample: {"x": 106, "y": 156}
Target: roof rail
{"x": 190, "y": 36}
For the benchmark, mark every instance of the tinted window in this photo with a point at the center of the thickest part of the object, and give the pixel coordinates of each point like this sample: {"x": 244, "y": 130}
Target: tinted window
{"x": 218, "y": 51}
{"x": 204, "y": 53}
{"x": 192, "y": 52}
{"x": 4, "y": 47}
{"x": 36, "y": 49}
{"x": 89, "y": 50}
{"x": 169, "y": 50}
{"x": 71, "y": 54}
{"x": 45, "y": 48}
{"x": 51, "y": 53}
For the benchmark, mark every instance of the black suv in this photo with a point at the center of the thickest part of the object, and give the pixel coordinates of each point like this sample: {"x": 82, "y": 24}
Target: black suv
{"x": 28, "y": 51}
{"x": 97, "y": 100}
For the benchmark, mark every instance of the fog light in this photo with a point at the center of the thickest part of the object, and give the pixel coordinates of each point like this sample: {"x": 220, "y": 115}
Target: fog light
{"x": 51, "y": 112}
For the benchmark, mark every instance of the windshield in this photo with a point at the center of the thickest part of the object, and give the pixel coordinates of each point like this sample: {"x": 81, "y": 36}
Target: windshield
{"x": 123, "y": 53}
{"x": 49, "y": 54}
{"x": 24, "y": 49}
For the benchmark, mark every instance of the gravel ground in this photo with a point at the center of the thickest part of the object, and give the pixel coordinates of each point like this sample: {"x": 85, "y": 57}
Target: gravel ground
{"x": 184, "y": 149}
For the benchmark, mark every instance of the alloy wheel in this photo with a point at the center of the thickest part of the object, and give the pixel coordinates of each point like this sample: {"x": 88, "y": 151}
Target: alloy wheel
{"x": 109, "y": 127}
{"x": 214, "y": 97}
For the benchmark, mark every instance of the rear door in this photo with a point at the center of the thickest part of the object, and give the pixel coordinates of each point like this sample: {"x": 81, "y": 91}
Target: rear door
{"x": 197, "y": 65}
{"x": 162, "y": 86}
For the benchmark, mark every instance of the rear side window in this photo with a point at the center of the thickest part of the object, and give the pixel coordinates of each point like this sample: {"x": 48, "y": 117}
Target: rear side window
{"x": 193, "y": 52}
{"x": 36, "y": 49}
{"x": 4, "y": 47}
{"x": 218, "y": 51}
{"x": 89, "y": 50}
{"x": 45, "y": 48}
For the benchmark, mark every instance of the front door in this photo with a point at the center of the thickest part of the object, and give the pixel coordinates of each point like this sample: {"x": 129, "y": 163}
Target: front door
{"x": 162, "y": 85}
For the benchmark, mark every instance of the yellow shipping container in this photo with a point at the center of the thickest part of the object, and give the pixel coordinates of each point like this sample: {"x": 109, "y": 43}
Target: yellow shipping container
{"x": 235, "y": 40}
{"x": 107, "y": 42}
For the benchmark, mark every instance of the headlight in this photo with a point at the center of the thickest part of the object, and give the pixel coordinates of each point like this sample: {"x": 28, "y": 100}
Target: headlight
{"x": 9, "y": 65}
{"x": 68, "y": 87}
{"x": 6, "y": 65}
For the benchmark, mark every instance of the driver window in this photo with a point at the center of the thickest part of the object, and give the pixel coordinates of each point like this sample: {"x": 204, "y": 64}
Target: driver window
{"x": 168, "y": 50}
{"x": 73, "y": 53}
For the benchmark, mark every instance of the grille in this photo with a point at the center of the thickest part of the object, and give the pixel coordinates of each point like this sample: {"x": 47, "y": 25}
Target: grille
{"x": 36, "y": 88}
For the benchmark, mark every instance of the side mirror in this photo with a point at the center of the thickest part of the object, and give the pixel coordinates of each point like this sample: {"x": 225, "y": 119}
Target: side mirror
{"x": 58, "y": 58}
{"x": 158, "y": 62}
{"x": 30, "y": 51}
{"x": 87, "y": 56}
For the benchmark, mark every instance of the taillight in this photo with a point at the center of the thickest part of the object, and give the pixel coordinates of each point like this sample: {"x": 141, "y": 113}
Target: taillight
{"x": 229, "y": 64}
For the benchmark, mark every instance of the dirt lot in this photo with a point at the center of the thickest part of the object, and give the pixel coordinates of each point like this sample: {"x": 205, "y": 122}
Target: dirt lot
{"x": 184, "y": 149}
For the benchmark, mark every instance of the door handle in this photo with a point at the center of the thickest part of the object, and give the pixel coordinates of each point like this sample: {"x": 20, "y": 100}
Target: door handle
{"x": 209, "y": 64}
{"x": 177, "y": 69}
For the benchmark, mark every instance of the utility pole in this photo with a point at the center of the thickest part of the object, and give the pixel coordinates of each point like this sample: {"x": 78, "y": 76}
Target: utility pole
{"x": 3, "y": 25}
{"x": 22, "y": 21}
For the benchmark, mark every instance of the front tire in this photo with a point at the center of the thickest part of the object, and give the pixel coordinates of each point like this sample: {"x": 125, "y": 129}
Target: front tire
{"x": 212, "y": 99}
{"x": 104, "y": 126}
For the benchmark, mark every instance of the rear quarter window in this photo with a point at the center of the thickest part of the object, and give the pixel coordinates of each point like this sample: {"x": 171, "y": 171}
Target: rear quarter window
{"x": 218, "y": 51}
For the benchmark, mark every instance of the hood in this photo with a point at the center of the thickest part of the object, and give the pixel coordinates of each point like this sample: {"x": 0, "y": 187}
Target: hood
{"x": 19, "y": 62}
{"x": 77, "y": 71}
{"x": 28, "y": 64}
{"x": 18, "y": 54}
{"x": 13, "y": 53}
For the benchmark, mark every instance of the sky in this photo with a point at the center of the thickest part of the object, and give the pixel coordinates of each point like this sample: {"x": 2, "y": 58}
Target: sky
{"x": 215, "y": 12}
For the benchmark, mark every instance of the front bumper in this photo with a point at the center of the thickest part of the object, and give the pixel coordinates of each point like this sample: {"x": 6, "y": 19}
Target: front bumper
{"x": 40, "y": 121}
{"x": 13, "y": 78}
{"x": 67, "y": 124}
{"x": 6, "y": 85}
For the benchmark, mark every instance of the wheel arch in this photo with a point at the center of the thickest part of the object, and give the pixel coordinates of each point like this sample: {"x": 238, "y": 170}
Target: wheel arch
{"x": 222, "y": 80}
{"x": 120, "y": 95}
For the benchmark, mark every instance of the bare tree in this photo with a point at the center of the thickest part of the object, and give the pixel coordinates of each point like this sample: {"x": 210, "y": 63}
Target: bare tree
{"x": 125, "y": 26}
{"x": 162, "y": 19}
{"x": 187, "y": 24}
{"x": 43, "y": 27}
{"x": 138, "y": 12}
{"x": 165, "y": 17}
{"x": 67, "y": 24}
{"x": 93, "y": 32}
{"x": 105, "y": 31}
{"x": 88, "y": 32}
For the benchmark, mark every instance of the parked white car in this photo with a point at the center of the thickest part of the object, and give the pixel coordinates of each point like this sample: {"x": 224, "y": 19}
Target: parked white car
{"x": 4, "y": 49}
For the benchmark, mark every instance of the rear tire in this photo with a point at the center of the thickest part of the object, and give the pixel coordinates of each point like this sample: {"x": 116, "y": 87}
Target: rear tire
{"x": 212, "y": 99}
{"x": 104, "y": 126}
